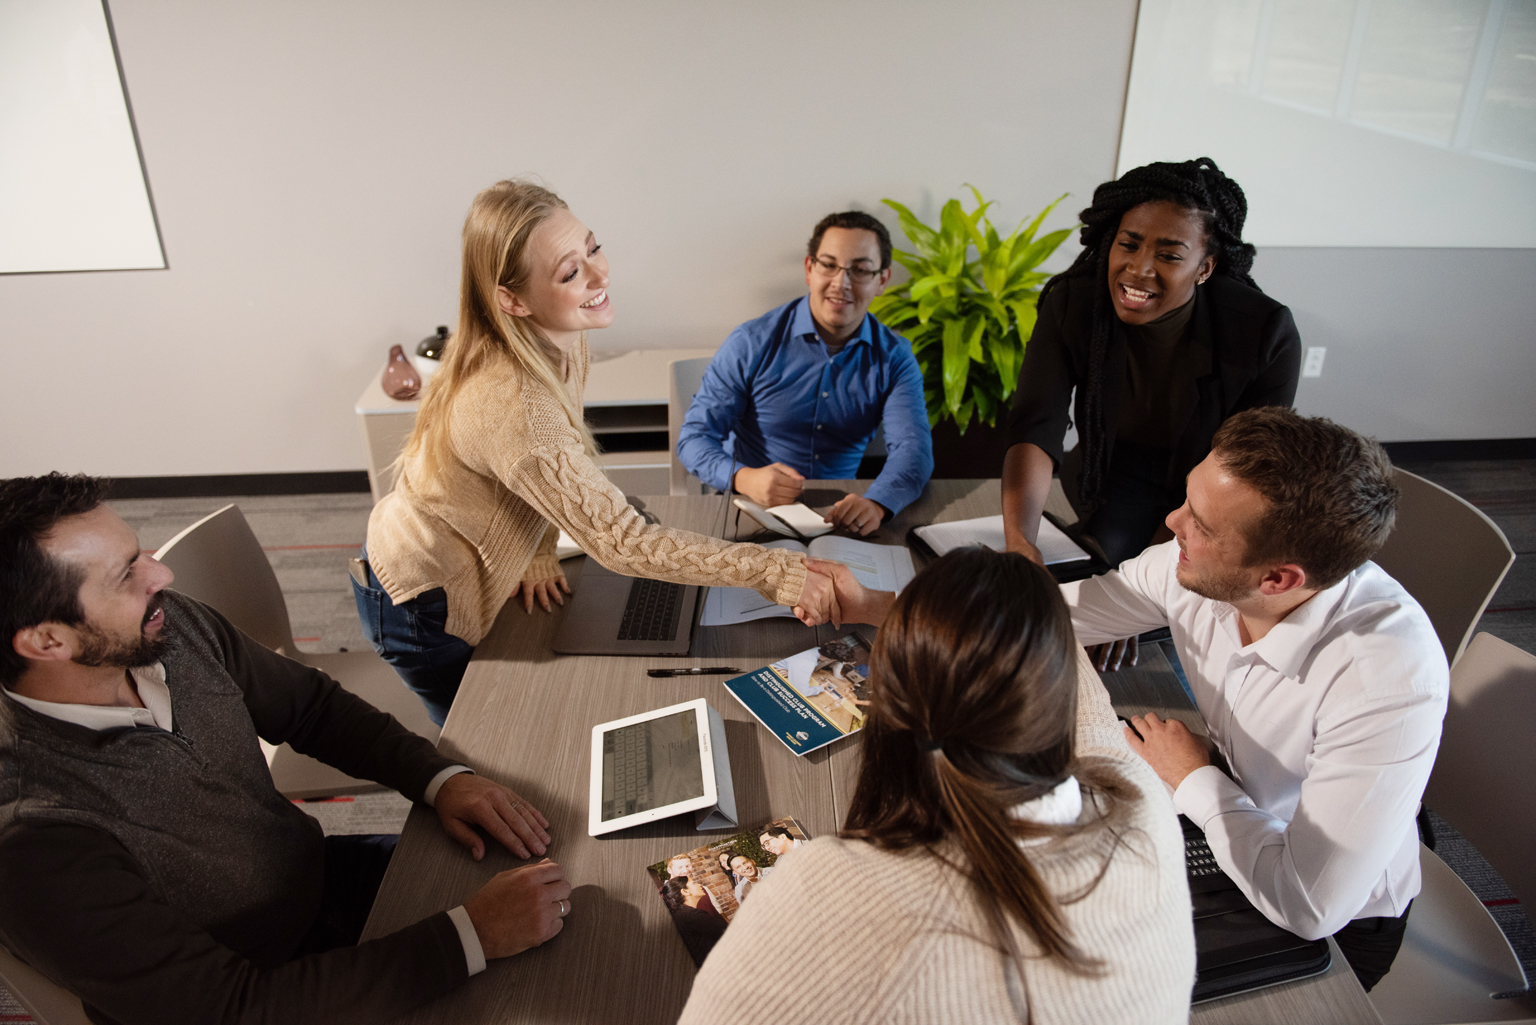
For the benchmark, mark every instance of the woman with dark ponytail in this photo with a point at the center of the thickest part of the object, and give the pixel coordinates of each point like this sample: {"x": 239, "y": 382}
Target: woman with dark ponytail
{"x": 1160, "y": 328}
{"x": 1005, "y": 856}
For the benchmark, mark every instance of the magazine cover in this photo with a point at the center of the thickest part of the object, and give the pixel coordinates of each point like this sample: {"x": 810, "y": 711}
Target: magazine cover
{"x": 810, "y": 699}
{"x": 702, "y": 888}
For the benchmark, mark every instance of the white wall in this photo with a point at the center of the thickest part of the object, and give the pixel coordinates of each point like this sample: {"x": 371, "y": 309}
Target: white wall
{"x": 312, "y": 163}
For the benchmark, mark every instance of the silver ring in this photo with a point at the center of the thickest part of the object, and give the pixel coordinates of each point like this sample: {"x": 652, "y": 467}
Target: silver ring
{"x": 565, "y": 908}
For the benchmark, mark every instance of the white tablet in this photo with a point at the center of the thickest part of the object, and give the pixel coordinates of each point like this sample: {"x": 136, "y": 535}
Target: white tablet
{"x": 659, "y": 764}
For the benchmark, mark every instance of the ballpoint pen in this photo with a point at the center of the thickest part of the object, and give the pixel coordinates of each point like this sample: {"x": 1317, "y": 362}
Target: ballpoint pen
{"x": 700, "y": 671}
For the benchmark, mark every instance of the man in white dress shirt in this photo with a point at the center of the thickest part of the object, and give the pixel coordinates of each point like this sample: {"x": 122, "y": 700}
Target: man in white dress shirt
{"x": 1320, "y": 679}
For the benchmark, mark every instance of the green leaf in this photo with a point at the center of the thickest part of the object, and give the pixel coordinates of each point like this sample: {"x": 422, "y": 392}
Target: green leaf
{"x": 1038, "y": 250}
{"x": 975, "y": 328}
{"x": 917, "y": 266}
{"x": 1008, "y": 358}
{"x": 920, "y": 235}
{"x": 1028, "y": 233}
{"x": 957, "y": 365}
{"x": 1024, "y": 312}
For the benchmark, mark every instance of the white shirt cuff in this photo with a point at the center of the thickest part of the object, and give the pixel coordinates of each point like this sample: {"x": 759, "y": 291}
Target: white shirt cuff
{"x": 1205, "y": 792}
{"x": 474, "y": 954}
{"x": 437, "y": 782}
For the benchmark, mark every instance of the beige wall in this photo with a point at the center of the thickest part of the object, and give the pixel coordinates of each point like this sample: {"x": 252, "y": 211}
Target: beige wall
{"x": 311, "y": 164}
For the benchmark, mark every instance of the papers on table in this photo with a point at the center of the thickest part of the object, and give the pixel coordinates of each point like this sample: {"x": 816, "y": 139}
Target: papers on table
{"x": 1054, "y": 545}
{"x": 879, "y": 567}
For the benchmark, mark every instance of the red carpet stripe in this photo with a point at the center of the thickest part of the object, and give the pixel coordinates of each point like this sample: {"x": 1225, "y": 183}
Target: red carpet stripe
{"x": 1501, "y": 902}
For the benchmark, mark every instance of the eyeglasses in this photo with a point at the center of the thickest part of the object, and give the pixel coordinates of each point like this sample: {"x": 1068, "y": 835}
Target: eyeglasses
{"x": 859, "y": 275}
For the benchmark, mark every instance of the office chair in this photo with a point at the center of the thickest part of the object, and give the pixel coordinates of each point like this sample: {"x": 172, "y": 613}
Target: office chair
{"x": 1448, "y": 555}
{"x": 1454, "y": 956}
{"x": 685, "y": 377}
{"x": 47, "y": 1003}
{"x": 218, "y": 561}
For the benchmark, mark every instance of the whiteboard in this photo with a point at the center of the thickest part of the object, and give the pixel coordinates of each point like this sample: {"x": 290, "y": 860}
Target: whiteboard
{"x": 72, "y": 191}
{"x": 1348, "y": 122}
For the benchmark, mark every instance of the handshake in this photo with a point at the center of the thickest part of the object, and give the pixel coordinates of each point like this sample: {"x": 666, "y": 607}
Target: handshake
{"x": 832, "y": 594}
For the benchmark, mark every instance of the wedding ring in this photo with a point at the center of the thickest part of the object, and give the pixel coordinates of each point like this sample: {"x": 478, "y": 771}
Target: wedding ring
{"x": 565, "y": 908}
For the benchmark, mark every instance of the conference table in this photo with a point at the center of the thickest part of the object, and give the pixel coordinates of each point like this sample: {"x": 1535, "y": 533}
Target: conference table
{"x": 524, "y": 717}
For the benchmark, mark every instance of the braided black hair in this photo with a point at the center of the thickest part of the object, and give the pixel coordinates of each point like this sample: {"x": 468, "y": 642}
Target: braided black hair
{"x": 1195, "y": 185}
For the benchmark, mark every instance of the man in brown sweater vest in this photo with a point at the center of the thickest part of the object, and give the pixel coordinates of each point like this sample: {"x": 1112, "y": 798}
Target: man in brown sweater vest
{"x": 147, "y": 863}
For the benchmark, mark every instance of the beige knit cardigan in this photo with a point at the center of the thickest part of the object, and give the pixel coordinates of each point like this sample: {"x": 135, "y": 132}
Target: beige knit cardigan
{"x": 841, "y": 931}
{"x": 489, "y": 517}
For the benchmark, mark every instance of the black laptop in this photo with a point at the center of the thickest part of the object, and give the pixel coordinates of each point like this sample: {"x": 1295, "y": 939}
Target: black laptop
{"x": 1237, "y": 949}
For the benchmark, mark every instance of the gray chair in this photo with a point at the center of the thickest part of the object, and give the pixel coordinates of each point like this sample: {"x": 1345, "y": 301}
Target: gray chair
{"x": 47, "y": 1003}
{"x": 1448, "y": 555}
{"x": 685, "y": 377}
{"x": 1454, "y": 956}
{"x": 218, "y": 561}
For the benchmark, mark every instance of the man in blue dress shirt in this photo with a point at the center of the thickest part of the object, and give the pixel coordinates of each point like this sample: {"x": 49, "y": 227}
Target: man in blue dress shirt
{"x": 798, "y": 392}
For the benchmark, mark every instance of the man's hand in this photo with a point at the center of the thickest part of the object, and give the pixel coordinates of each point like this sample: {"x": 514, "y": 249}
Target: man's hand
{"x": 520, "y": 908}
{"x": 543, "y": 591}
{"x": 856, "y": 514}
{"x": 1169, "y": 747}
{"x": 466, "y": 800}
{"x": 818, "y": 599}
{"x": 1110, "y": 656}
{"x": 771, "y": 485}
{"x": 855, "y": 602}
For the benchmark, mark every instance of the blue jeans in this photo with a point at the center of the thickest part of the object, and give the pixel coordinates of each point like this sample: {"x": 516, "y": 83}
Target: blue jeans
{"x": 413, "y": 637}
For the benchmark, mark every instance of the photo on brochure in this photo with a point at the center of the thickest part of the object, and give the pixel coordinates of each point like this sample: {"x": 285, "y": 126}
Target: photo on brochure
{"x": 813, "y": 697}
{"x": 703, "y": 888}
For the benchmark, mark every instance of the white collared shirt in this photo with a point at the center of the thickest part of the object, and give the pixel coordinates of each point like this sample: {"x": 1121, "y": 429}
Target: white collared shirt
{"x": 150, "y": 682}
{"x": 1330, "y": 724}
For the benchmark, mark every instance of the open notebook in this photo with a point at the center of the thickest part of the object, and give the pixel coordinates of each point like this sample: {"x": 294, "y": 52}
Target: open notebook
{"x": 1054, "y": 545}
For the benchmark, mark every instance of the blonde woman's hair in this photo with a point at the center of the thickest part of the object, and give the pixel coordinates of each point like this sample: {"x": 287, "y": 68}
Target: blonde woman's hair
{"x": 501, "y": 221}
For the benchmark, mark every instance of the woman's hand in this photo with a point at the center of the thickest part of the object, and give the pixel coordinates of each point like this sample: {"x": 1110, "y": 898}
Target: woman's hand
{"x": 543, "y": 591}
{"x": 818, "y": 600}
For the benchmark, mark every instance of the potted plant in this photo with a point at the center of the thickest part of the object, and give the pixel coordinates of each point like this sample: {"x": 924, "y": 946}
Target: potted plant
{"x": 968, "y": 319}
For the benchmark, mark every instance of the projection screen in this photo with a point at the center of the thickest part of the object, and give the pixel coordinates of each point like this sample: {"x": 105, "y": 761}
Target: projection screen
{"x": 72, "y": 190}
{"x": 1348, "y": 122}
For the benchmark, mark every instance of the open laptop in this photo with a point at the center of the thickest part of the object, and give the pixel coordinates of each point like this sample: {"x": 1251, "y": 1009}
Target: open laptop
{"x": 658, "y": 764}
{"x": 612, "y": 614}
{"x": 1237, "y": 949}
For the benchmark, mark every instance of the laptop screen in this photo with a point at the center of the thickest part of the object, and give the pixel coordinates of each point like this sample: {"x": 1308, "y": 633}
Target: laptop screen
{"x": 651, "y": 764}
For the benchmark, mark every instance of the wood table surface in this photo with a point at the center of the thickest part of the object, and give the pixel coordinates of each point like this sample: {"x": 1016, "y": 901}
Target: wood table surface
{"x": 524, "y": 717}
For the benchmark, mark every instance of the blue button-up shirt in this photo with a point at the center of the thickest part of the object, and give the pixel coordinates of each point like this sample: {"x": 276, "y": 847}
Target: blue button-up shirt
{"x": 773, "y": 395}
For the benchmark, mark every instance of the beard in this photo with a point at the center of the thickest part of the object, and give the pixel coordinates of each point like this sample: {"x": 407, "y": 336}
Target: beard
{"x": 1229, "y": 586}
{"x": 99, "y": 648}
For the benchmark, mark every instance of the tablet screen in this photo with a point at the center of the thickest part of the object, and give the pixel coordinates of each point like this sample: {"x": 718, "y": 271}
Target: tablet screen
{"x": 651, "y": 764}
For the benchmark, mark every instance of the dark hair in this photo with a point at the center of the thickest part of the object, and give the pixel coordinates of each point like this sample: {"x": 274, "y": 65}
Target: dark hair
{"x": 973, "y": 711}
{"x": 776, "y": 831}
{"x": 672, "y": 892}
{"x": 1332, "y": 501}
{"x": 35, "y": 587}
{"x": 852, "y": 219}
{"x": 1195, "y": 185}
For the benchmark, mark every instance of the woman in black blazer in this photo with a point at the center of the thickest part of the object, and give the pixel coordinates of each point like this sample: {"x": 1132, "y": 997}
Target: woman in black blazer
{"x": 1163, "y": 334}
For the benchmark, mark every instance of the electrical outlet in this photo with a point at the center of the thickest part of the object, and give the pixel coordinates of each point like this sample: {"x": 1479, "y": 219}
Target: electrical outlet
{"x": 1313, "y": 365}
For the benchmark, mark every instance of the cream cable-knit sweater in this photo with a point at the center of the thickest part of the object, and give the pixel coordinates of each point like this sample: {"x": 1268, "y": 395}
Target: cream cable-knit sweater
{"x": 489, "y": 517}
{"x": 843, "y": 932}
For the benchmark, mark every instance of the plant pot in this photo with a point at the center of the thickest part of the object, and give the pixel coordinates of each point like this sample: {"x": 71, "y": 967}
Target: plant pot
{"x": 978, "y": 453}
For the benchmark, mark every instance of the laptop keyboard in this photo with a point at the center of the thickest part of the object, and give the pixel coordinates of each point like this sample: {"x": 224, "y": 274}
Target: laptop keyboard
{"x": 1205, "y": 875}
{"x": 652, "y": 611}
{"x": 626, "y": 773}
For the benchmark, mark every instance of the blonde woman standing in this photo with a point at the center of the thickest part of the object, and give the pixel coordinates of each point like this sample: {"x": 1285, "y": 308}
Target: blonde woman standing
{"x": 500, "y": 460}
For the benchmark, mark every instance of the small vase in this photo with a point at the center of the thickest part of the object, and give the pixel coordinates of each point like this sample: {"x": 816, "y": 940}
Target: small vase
{"x": 401, "y": 381}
